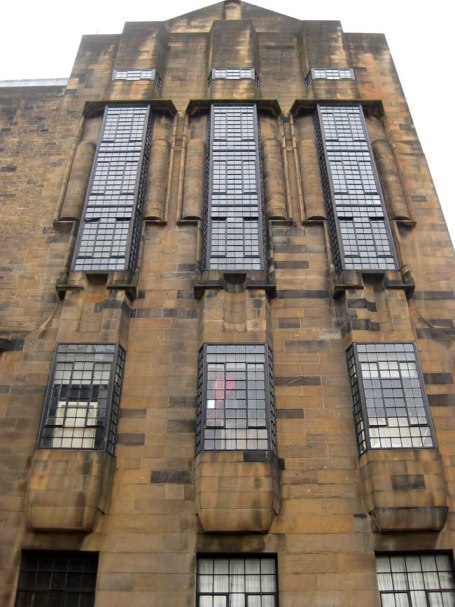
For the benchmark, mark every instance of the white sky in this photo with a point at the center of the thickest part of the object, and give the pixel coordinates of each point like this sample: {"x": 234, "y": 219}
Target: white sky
{"x": 40, "y": 38}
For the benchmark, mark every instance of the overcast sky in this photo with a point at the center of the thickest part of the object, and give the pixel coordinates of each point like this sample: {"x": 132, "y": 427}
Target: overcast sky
{"x": 39, "y": 39}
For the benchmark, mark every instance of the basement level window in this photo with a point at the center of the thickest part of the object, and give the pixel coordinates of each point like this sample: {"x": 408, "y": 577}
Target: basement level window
{"x": 237, "y": 581}
{"x": 415, "y": 580}
{"x": 390, "y": 405}
{"x": 233, "y": 73}
{"x": 49, "y": 578}
{"x": 150, "y": 74}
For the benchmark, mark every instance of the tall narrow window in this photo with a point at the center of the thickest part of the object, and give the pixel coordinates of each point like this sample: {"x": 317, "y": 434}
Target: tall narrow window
{"x": 329, "y": 73}
{"x": 237, "y": 581}
{"x": 415, "y": 580}
{"x": 234, "y": 222}
{"x": 390, "y": 405}
{"x": 110, "y": 228}
{"x": 360, "y": 232}
{"x": 83, "y": 398}
{"x": 48, "y": 578}
{"x": 236, "y": 407}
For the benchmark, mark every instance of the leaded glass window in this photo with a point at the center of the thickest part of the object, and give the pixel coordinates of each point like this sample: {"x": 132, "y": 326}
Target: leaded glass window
{"x": 234, "y": 221}
{"x": 237, "y": 581}
{"x": 110, "y": 227}
{"x": 359, "y": 228}
{"x": 390, "y": 404}
{"x": 236, "y": 404}
{"x": 57, "y": 579}
{"x": 416, "y": 580}
{"x": 83, "y": 398}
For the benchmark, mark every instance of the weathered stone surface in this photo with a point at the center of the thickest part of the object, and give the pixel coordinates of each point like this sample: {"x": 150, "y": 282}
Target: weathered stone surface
{"x": 404, "y": 489}
{"x": 234, "y": 495}
{"x": 150, "y": 535}
{"x": 68, "y": 489}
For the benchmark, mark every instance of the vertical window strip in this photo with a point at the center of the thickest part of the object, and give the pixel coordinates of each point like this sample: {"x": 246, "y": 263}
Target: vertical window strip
{"x": 235, "y": 227}
{"x": 237, "y": 581}
{"x": 83, "y": 398}
{"x": 359, "y": 228}
{"x": 235, "y": 404}
{"x": 108, "y": 238}
{"x": 390, "y": 404}
{"x": 415, "y": 580}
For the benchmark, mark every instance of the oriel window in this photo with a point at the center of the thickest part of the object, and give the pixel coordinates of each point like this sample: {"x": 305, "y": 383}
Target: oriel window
{"x": 236, "y": 405}
{"x": 83, "y": 398}
{"x": 390, "y": 404}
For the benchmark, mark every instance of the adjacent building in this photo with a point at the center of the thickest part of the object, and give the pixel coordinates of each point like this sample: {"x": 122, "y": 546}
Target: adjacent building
{"x": 226, "y": 325}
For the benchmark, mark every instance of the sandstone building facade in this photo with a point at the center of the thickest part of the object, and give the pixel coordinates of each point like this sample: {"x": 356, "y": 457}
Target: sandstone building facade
{"x": 226, "y": 325}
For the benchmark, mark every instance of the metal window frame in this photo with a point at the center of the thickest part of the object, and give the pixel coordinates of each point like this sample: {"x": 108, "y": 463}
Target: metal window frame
{"x": 213, "y": 75}
{"x": 201, "y": 413}
{"x": 353, "y": 350}
{"x": 338, "y": 252}
{"x": 131, "y": 252}
{"x": 243, "y": 556}
{"x": 208, "y": 220}
{"x": 112, "y": 409}
{"x": 311, "y": 74}
{"x": 420, "y": 553}
{"x": 90, "y": 556}
{"x": 154, "y": 77}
